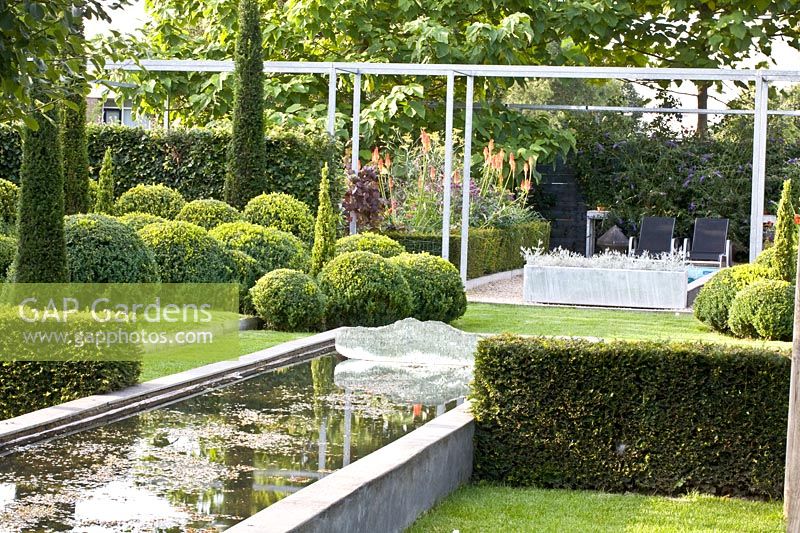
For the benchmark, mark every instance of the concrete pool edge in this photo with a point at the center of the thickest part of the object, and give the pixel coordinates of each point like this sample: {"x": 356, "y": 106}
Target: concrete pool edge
{"x": 386, "y": 490}
{"x": 91, "y": 411}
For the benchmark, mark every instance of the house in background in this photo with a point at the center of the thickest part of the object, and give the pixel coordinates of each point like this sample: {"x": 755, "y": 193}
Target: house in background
{"x": 103, "y": 106}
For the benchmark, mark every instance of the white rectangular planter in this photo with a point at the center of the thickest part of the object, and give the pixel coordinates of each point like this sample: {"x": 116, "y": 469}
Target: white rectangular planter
{"x": 650, "y": 289}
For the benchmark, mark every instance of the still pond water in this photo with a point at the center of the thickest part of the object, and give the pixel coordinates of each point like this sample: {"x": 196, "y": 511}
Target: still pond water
{"x": 204, "y": 463}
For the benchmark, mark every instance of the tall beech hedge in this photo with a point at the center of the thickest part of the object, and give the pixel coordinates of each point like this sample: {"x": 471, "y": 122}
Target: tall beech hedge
{"x": 193, "y": 160}
{"x": 489, "y": 250}
{"x": 648, "y": 417}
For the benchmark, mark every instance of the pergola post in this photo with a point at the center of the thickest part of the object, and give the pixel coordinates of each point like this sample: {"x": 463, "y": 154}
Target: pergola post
{"x": 465, "y": 183}
{"x": 759, "y": 164}
{"x": 791, "y": 482}
{"x": 332, "y": 102}
{"x": 448, "y": 165}
{"x": 355, "y": 142}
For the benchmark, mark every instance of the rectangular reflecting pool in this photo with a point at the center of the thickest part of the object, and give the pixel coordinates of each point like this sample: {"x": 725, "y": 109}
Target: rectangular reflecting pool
{"x": 206, "y": 462}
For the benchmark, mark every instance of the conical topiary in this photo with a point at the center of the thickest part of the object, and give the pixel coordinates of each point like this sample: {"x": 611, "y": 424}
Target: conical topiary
{"x": 783, "y": 264}
{"x": 324, "y": 228}
{"x": 105, "y": 187}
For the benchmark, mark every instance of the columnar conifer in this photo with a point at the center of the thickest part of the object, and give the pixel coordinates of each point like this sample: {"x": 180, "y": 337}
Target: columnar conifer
{"x": 246, "y": 155}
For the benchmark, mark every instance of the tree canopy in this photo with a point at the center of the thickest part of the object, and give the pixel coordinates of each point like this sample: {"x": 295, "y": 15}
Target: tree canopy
{"x": 42, "y": 46}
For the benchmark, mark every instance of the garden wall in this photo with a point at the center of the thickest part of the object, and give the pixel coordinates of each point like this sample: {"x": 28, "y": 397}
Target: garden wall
{"x": 631, "y": 416}
{"x": 490, "y": 250}
{"x": 193, "y": 161}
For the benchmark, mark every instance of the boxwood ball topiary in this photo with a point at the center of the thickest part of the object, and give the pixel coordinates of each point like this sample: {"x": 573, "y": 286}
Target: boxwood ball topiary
{"x": 435, "y": 284}
{"x": 364, "y": 289}
{"x": 138, "y": 220}
{"x": 764, "y": 310}
{"x": 208, "y": 214}
{"x": 289, "y": 300}
{"x": 272, "y": 248}
{"x": 186, "y": 253}
{"x": 714, "y": 300}
{"x": 101, "y": 249}
{"x": 369, "y": 242}
{"x": 157, "y": 200}
{"x": 244, "y": 272}
{"x": 281, "y": 211}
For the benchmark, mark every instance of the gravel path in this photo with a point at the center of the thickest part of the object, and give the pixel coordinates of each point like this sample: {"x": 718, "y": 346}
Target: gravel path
{"x": 508, "y": 291}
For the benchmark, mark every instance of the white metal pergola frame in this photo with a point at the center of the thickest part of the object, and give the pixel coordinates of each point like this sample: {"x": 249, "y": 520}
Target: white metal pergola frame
{"x": 760, "y": 77}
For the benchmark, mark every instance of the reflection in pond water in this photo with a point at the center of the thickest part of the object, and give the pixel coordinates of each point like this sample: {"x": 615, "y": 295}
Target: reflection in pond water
{"x": 206, "y": 462}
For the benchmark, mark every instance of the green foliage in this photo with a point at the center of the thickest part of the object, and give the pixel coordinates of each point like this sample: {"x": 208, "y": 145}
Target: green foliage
{"x": 76, "y": 155}
{"x": 137, "y": 220}
{"x": 489, "y": 250}
{"x": 104, "y": 199}
{"x": 94, "y": 189}
{"x": 30, "y": 385}
{"x": 246, "y": 178}
{"x": 158, "y": 200}
{"x": 639, "y": 172}
{"x": 193, "y": 161}
{"x": 783, "y": 264}
{"x": 764, "y": 310}
{"x": 364, "y": 289}
{"x": 186, "y": 253}
{"x": 101, "y": 249}
{"x": 653, "y": 417}
{"x": 289, "y": 300}
{"x": 281, "y": 211}
{"x": 10, "y": 153}
{"x": 435, "y": 285}
{"x": 41, "y": 255}
{"x": 369, "y": 242}
{"x": 324, "y": 247}
{"x": 45, "y": 54}
{"x": 764, "y": 259}
{"x": 479, "y": 32}
{"x": 271, "y": 247}
{"x": 245, "y": 271}
{"x": 713, "y": 303}
{"x": 8, "y": 249}
{"x": 208, "y": 214}
{"x": 9, "y": 196}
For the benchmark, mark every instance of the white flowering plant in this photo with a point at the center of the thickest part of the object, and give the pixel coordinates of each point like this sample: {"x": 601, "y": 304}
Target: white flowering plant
{"x": 607, "y": 260}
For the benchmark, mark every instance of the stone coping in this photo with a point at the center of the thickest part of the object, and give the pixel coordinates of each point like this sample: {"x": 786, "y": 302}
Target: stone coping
{"x": 474, "y": 283}
{"x": 98, "y": 409}
{"x": 383, "y": 491}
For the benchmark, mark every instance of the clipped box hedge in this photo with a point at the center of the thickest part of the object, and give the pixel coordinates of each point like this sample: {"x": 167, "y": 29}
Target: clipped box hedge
{"x": 30, "y": 385}
{"x": 490, "y": 250}
{"x": 193, "y": 161}
{"x": 631, "y": 416}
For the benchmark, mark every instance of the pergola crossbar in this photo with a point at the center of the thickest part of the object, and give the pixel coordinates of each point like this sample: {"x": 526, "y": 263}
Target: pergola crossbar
{"x": 760, "y": 78}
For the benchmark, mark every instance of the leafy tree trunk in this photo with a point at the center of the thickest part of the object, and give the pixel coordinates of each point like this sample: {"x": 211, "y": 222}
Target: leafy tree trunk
{"x": 702, "y": 103}
{"x": 42, "y": 253}
{"x": 246, "y": 157}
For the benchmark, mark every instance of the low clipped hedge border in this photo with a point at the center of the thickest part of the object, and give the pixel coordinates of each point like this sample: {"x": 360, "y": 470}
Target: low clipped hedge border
{"x": 490, "y": 250}
{"x": 649, "y": 417}
{"x": 30, "y": 385}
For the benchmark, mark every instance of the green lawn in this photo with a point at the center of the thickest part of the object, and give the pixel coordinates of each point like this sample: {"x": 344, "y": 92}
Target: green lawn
{"x": 604, "y": 323}
{"x": 249, "y": 342}
{"x": 482, "y": 508}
